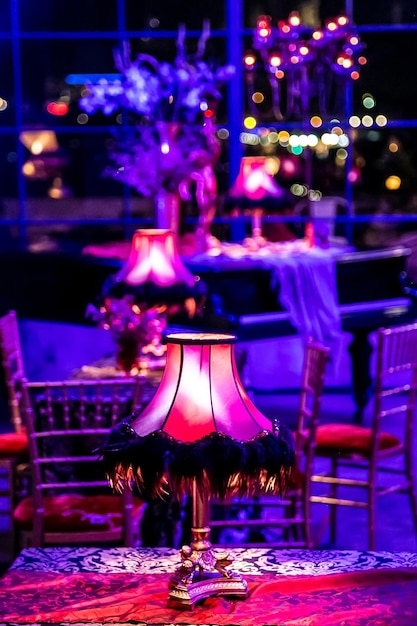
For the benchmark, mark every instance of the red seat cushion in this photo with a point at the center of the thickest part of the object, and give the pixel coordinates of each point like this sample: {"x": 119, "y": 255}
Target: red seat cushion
{"x": 348, "y": 438}
{"x": 13, "y": 444}
{"x": 73, "y": 513}
{"x": 297, "y": 479}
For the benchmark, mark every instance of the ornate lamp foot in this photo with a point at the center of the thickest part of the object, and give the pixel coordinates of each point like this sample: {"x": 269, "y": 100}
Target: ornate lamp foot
{"x": 202, "y": 574}
{"x": 186, "y": 594}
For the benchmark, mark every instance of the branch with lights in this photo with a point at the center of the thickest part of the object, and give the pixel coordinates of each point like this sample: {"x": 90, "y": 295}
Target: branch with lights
{"x": 168, "y": 112}
{"x": 304, "y": 69}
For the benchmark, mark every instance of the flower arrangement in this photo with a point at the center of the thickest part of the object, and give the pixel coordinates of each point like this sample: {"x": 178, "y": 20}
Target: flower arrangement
{"x": 167, "y": 114}
{"x": 136, "y": 329}
{"x": 123, "y": 315}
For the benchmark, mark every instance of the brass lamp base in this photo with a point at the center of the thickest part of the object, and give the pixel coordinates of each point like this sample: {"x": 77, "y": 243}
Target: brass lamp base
{"x": 202, "y": 574}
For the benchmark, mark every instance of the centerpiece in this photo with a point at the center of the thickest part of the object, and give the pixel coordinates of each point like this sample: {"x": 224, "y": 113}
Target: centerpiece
{"x": 152, "y": 287}
{"x": 166, "y": 145}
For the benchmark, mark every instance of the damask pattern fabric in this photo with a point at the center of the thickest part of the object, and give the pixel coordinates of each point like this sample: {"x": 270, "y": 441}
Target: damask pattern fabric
{"x": 376, "y": 597}
{"x": 286, "y": 587}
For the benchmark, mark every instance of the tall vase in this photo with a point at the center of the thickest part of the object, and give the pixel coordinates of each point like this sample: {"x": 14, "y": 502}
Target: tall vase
{"x": 206, "y": 187}
{"x": 167, "y": 209}
{"x": 206, "y": 195}
{"x": 140, "y": 348}
{"x": 127, "y": 353}
{"x": 167, "y": 201}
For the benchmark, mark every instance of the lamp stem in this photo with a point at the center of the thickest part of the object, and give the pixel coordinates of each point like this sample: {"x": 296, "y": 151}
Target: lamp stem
{"x": 200, "y": 521}
{"x": 257, "y": 223}
{"x": 203, "y": 571}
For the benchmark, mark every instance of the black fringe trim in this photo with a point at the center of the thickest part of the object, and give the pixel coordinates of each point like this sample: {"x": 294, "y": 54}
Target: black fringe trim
{"x": 222, "y": 466}
{"x": 152, "y": 294}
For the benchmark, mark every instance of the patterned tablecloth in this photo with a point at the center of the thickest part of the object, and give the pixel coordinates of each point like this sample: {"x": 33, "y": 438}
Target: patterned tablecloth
{"x": 254, "y": 561}
{"x": 123, "y": 586}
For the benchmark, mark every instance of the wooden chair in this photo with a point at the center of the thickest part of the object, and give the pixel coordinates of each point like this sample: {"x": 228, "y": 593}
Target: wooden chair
{"x": 14, "y": 475}
{"x": 370, "y": 461}
{"x": 72, "y": 502}
{"x": 291, "y": 513}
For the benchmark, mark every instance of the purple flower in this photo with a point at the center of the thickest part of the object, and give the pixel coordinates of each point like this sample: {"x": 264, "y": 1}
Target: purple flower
{"x": 150, "y": 92}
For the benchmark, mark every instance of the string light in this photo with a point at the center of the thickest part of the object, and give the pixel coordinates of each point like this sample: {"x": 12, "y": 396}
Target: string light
{"x": 58, "y": 108}
{"x": 304, "y": 56}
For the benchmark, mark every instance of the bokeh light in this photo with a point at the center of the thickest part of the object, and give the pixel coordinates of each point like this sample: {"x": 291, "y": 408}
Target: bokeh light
{"x": 367, "y": 121}
{"x": 258, "y": 97}
{"x": 381, "y": 120}
{"x": 354, "y": 121}
{"x": 223, "y": 133}
{"x": 57, "y": 108}
{"x": 393, "y": 183}
{"x": 316, "y": 121}
{"x": 368, "y": 101}
{"x": 249, "y": 122}
{"x": 342, "y": 154}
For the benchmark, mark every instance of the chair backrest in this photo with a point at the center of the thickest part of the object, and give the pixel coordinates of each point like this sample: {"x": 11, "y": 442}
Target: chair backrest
{"x": 289, "y": 514}
{"x": 395, "y": 382}
{"x": 12, "y": 363}
{"x": 312, "y": 383}
{"x": 66, "y": 423}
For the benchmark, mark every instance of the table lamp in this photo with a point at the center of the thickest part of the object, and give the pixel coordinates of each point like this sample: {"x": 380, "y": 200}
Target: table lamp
{"x": 154, "y": 261}
{"x": 254, "y": 186}
{"x": 136, "y": 302}
{"x": 200, "y": 435}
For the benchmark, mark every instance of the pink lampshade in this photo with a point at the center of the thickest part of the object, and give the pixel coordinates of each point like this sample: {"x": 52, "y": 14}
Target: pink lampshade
{"x": 201, "y": 392}
{"x": 255, "y": 180}
{"x": 200, "y": 426}
{"x": 154, "y": 258}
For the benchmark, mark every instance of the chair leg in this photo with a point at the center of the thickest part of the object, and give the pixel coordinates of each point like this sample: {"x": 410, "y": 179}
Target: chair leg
{"x": 256, "y": 534}
{"x": 333, "y": 507}
{"x": 307, "y": 531}
{"x": 293, "y": 512}
{"x": 8, "y": 547}
{"x": 371, "y": 518}
{"x": 411, "y": 488}
{"x": 413, "y": 505}
{"x": 37, "y": 534}
{"x": 127, "y": 501}
{"x": 290, "y": 530}
{"x": 306, "y": 511}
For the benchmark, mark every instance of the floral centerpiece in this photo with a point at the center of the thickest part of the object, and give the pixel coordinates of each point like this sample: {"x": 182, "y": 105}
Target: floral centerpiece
{"x": 135, "y": 304}
{"x": 167, "y": 133}
{"x": 136, "y": 330}
{"x": 137, "y": 326}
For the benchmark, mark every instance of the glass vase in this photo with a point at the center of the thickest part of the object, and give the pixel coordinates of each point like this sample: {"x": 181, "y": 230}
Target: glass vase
{"x": 167, "y": 207}
{"x": 127, "y": 352}
{"x": 167, "y": 198}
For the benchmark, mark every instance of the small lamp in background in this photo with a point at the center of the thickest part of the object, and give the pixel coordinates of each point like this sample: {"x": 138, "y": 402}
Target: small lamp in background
{"x": 255, "y": 185}
{"x": 154, "y": 261}
{"x": 39, "y": 141}
{"x": 137, "y": 301}
{"x": 200, "y": 435}
{"x": 47, "y": 161}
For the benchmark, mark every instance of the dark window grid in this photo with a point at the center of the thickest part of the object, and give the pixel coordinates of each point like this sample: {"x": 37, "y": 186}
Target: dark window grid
{"x": 122, "y": 34}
